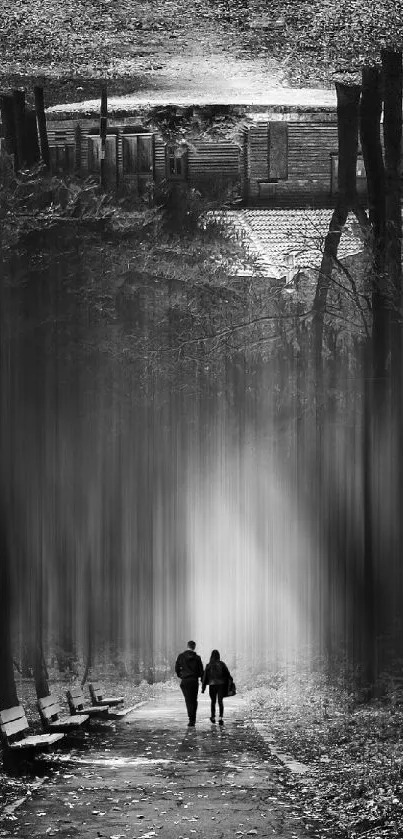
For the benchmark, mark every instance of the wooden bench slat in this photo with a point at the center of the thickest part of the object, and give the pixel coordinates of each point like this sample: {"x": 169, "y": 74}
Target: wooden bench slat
{"x": 15, "y": 726}
{"x": 48, "y": 701}
{"x": 95, "y": 709}
{"x": 52, "y": 717}
{"x": 116, "y": 713}
{"x": 50, "y": 711}
{"x": 73, "y": 722}
{"x": 75, "y": 693}
{"x": 76, "y": 702}
{"x": 35, "y": 741}
{"x": 10, "y": 714}
{"x": 97, "y": 692}
{"x": 14, "y": 723}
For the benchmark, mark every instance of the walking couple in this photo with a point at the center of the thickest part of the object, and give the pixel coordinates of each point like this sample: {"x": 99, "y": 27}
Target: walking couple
{"x": 189, "y": 669}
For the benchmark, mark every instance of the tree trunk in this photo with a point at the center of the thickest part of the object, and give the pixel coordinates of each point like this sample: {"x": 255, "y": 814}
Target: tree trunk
{"x": 38, "y": 659}
{"x": 19, "y": 119}
{"x": 370, "y": 136}
{"x": 8, "y": 690}
{"x": 392, "y": 131}
{"x": 368, "y": 629}
{"x": 332, "y": 242}
{"x": 370, "y": 130}
{"x": 41, "y": 120}
{"x": 90, "y": 628}
{"x": 348, "y": 99}
{"x": 8, "y": 121}
{"x": 41, "y": 676}
{"x": 31, "y": 138}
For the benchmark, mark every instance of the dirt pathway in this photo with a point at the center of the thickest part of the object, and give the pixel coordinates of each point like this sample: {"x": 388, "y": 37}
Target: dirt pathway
{"x": 190, "y": 55}
{"x": 149, "y": 775}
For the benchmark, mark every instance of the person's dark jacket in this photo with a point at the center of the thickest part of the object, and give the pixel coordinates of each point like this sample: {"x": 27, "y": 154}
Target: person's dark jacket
{"x": 216, "y": 673}
{"x": 189, "y": 665}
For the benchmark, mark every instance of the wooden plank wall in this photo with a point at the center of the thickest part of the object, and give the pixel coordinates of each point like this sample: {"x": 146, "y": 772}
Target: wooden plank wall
{"x": 278, "y": 150}
{"x": 258, "y": 157}
{"x": 94, "y": 157}
{"x": 310, "y": 146}
{"x": 217, "y": 161}
{"x": 244, "y": 162}
{"x": 309, "y": 154}
{"x": 62, "y": 144}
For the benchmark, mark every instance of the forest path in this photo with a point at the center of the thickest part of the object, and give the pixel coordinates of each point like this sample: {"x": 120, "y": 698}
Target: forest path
{"x": 149, "y": 775}
{"x": 182, "y": 50}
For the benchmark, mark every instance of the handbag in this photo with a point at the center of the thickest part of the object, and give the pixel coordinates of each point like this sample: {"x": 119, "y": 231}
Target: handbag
{"x": 231, "y": 688}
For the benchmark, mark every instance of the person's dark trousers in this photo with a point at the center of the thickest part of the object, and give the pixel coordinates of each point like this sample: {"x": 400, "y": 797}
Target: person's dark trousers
{"x": 190, "y": 689}
{"x": 217, "y": 692}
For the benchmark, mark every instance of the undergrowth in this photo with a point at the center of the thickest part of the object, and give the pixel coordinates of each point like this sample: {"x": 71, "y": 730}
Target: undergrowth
{"x": 353, "y": 784}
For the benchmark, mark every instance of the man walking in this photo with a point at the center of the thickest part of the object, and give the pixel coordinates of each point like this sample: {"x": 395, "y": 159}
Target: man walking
{"x": 189, "y": 669}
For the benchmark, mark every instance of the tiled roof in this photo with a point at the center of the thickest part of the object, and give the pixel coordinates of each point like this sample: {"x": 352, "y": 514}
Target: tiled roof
{"x": 284, "y": 242}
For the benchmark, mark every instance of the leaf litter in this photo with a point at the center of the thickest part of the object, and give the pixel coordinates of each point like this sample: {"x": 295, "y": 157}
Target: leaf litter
{"x": 354, "y": 783}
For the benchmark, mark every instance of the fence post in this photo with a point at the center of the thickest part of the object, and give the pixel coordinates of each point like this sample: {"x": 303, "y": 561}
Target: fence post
{"x": 41, "y": 122}
{"x": 102, "y": 133}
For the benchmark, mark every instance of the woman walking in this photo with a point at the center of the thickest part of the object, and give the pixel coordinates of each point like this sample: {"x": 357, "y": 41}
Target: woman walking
{"x": 217, "y": 677}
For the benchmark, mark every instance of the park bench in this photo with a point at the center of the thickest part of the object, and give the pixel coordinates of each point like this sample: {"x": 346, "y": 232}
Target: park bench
{"x": 53, "y": 719}
{"x": 97, "y": 693}
{"x": 75, "y": 698}
{"x": 14, "y": 725}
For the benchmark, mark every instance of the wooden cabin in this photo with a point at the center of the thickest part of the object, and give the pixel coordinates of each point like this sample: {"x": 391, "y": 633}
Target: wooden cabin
{"x": 292, "y": 159}
{"x": 286, "y": 156}
{"x": 135, "y": 157}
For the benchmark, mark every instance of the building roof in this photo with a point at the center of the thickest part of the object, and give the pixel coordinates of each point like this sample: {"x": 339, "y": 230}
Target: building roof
{"x": 285, "y": 242}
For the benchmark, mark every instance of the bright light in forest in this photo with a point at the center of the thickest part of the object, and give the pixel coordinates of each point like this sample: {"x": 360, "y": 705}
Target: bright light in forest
{"x": 249, "y": 560}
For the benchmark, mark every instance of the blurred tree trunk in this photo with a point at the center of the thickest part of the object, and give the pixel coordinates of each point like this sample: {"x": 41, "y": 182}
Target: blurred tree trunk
{"x": 392, "y": 131}
{"x": 66, "y": 652}
{"x": 8, "y": 690}
{"x": 26, "y": 667}
{"x": 367, "y": 620}
{"x": 375, "y": 363}
{"x": 382, "y": 414}
{"x": 41, "y": 676}
{"x": 348, "y": 100}
{"x": 90, "y": 627}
